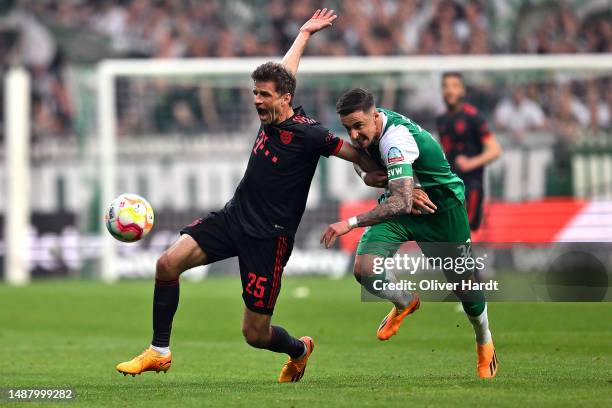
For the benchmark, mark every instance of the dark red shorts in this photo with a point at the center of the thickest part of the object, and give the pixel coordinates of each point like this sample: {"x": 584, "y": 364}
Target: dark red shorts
{"x": 261, "y": 260}
{"x": 474, "y": 201}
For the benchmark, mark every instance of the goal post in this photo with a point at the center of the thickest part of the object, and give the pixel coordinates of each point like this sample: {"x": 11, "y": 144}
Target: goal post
{"x": 17, "y": 136}
{"x": 237, "y": 70}
{"x": 108, "y": 165}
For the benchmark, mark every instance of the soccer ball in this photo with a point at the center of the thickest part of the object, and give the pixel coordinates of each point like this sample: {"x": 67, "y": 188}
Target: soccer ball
{"x": 129, "y": 217}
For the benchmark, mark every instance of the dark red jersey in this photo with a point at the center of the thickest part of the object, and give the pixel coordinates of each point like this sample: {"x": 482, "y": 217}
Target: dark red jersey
{"x": 271, "y": 198}
{"x": 463, "y": 133}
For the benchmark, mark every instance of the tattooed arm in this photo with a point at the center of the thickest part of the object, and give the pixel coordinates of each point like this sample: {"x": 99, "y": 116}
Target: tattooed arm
{"x": 399, "y": 202}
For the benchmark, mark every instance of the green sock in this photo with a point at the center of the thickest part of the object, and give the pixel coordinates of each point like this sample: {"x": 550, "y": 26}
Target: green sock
{"x": 473, "y": 302}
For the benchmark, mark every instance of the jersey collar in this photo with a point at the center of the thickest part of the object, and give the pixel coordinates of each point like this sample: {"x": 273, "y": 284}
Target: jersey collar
{"x": 384, "y": 124}
{"x": 296, "y": 111}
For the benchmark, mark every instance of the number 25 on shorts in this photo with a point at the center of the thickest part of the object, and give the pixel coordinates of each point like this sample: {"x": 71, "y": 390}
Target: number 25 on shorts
{"x": 259, "y": 289}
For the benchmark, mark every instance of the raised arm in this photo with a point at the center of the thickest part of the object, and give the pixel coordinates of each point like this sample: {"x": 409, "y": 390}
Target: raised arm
{"x": 320, "y": 19}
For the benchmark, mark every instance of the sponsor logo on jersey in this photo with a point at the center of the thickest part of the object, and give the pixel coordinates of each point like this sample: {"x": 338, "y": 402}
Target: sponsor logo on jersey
{"x": 395, "y": 155}
{"x": 286, "y": 137}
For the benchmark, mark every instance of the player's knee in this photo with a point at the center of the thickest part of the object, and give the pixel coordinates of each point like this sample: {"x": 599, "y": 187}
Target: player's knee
{"x": 255, "y": 337}
{"x": 166, "y": 269}
{"x": 357, "y": 270}
{"x": 361, "y": 269}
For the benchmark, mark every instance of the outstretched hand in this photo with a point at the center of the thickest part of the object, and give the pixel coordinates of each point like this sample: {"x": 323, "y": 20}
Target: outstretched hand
{"x": 333, "y": 231}
{"x": 320, "y": 19}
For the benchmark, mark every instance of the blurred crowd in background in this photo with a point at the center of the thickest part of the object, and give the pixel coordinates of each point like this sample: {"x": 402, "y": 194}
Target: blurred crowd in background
{"x": 47, "y": 36}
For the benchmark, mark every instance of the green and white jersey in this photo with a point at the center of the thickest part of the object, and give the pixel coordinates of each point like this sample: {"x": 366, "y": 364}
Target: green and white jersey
{"x": 405, "y": 149}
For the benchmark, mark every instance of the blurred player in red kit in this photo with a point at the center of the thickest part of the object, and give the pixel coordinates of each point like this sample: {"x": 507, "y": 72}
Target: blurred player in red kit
{"x": 468, "y": 143}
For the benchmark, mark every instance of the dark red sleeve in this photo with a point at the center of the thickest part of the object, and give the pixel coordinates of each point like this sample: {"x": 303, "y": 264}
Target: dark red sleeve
{"x": 482, "y": 128}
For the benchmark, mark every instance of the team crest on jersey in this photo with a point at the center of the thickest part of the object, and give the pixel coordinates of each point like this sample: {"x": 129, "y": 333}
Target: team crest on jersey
{"x": 286, "y": 137}
{"x": 395, "y": 155}
{"x": 460, "y": 126}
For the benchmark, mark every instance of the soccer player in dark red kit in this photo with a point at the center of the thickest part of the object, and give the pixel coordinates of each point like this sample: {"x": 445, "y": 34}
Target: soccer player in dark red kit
{"x": 258, "y": 224}
{"x": 468, "y": 143}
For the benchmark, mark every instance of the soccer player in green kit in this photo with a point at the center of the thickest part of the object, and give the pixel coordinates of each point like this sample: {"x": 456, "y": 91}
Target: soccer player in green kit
{"x": 406, "y": 150}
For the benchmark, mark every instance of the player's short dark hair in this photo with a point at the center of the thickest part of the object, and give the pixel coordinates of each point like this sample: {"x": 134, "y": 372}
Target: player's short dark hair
{"x": 453, "y": 74}
{"x": 355, "y": 100}
{"x": 284, "y": 81}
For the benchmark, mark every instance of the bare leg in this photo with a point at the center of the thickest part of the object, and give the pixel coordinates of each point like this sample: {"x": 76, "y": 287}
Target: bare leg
{"x": 364, "y": 273}
{"x": 259, "y": 333}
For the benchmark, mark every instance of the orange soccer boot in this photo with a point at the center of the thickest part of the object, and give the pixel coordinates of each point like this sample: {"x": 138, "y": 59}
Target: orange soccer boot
{"x": 148, "y": 360}
{"x": 487, "y": 360}
{"x": 392, "y": 322}
{"x": 294, "y": 369}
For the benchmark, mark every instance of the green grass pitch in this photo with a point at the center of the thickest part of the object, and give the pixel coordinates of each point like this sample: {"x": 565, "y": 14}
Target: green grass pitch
{"x": 72, "y": 334}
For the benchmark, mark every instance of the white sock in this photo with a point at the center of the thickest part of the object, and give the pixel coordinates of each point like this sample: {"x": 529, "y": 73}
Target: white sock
{"x": 161, "y": 350}
{"x": 400, "y": 298}
{"x": 481, "y": 327}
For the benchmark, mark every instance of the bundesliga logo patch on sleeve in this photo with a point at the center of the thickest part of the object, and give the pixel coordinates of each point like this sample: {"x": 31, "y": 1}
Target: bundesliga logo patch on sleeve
{"x": 395, "y": 155}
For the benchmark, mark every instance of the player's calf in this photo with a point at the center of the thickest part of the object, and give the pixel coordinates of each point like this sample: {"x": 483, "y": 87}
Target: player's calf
{"x": 256, "y": 335}
{"x": 182, "y": 255}
{"x": 378, "y": 283}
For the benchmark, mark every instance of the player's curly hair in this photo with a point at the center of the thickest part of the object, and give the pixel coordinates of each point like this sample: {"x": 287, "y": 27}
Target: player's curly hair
{"x": 283, "y": 80}
{"x": 355, "y": 100}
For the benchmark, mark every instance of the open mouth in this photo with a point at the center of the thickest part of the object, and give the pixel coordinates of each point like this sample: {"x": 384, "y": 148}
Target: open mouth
{"x": 262, "y": 112}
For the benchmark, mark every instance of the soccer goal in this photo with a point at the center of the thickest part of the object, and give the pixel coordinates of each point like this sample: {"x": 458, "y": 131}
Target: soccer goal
{"x": 179, "y": 132}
